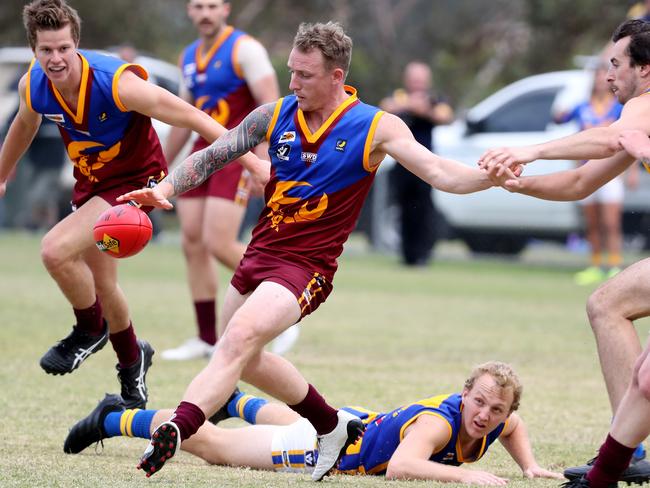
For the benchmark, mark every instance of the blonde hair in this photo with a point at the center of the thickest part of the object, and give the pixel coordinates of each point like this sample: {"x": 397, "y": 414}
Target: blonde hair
{"x": 504, "y": 376}
{"x": 42, "y": 15}
{"x": 330, "y": 39}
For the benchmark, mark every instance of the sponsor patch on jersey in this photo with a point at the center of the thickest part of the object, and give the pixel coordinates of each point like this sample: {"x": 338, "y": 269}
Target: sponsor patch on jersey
{"x": 217, "y": 64}
{"x": 341, "y": 144}
{"x": 308, "y": 157}
{"x": 201, "y": 77}
{"x": 58, "y": 118}
{"x": 102, "y": 117}
{"x": 189, "y": 69}
{"x": 288, "y": 137}
{"x": 283, "y": 152}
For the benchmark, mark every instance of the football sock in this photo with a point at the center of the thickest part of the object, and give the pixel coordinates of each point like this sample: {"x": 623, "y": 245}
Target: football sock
{"x": 188, "y": 418}
{"x": 596, "y": 259}
{"x": 90, "y": 319}
{"x": 613, "y": 458}
{"x": 245, "y": 407}
{"x": 130, "y": 423}
{"x": 639, "y": 452}
{"x": 315, "y": 409}
{"x": 614, "y": 260}
{"x": 206, "y": 318}
{"x": 126, "y": 346}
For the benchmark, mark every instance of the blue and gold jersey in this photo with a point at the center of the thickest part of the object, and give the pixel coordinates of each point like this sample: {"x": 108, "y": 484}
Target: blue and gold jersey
{"x": 318, "y": 183}
{"x": 107, "y": 144}
{"x": 384, "y": 432}
{"x": 216, "y": 81}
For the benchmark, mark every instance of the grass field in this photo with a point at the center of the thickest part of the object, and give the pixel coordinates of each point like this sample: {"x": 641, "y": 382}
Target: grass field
{"x": 386, "y": 336}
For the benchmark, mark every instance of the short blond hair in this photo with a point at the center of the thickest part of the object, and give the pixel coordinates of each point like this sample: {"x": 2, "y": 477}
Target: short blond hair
{"x": 504, "y": 376}
{"x": 330, "y": 39}
{"x": 43, "y": 15}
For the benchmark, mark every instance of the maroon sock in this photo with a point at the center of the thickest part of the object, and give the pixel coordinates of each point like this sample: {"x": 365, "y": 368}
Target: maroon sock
{"x": 315, "y": 409}
{"x": 188, "y": 418}
{"x": 206, "y": 318}
{"x": 126, "y": 346}
{"x": 613, "y": 458}
{"x": 90, "y": 319}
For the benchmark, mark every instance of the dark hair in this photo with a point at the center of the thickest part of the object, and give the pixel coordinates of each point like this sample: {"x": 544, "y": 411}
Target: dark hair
{"x": 638, "y": 31}
{"x": 330, "y": 39}
{"x": 41, "y": 15}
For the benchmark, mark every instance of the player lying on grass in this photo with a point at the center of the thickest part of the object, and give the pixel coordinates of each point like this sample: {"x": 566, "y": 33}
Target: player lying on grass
{"x": 427, "y": 439}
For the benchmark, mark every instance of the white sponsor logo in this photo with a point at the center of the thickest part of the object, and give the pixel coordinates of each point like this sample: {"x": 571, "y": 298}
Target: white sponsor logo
{"x": 308, "y": 157}
{"x": 58, "y": 118}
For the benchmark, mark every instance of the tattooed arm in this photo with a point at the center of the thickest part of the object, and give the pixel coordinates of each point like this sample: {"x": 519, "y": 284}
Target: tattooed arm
{"x": 201, "y": 164}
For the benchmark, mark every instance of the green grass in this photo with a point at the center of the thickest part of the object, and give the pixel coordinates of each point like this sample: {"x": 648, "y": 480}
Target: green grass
{"x": 386, "y": 336}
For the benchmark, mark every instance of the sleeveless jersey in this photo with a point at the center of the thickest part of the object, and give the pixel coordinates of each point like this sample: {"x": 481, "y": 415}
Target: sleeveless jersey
{"x": 318, "y": 184}
{"x": 586, "y": 117}
{"x": 216, "y": 82}
{"x": 107, "y": 144}
{"x": 384, "y": 432}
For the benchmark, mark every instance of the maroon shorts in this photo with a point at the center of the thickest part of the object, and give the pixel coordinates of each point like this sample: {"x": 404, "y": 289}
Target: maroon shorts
{"x": 310, "y": 288}
{"x": 110, "y": 194}
{"x": 230, "y": 183}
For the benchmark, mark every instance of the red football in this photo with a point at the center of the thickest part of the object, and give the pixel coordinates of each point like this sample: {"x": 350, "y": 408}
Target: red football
{"x": 122, "y": 231}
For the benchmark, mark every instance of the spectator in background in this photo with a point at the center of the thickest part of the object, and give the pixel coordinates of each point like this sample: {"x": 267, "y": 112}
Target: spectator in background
{"x": 46, "y": 157}
{"x": 421, "y": 110}
{"x": 603, "y": 209}
{"x": 640, "y": 10}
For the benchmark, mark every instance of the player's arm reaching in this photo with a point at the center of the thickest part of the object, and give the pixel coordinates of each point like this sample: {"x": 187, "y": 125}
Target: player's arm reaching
{"x": 594, "y": 143}
{"x": 514, "y": 439}
{"x": 198, "y": 166}
{"x": 394, "y": 138}
{"x": 574, "y": 184}
{"x": 146, "y": 98}
{"x": 19, "y": 137}
{"x": 427, "y": 435}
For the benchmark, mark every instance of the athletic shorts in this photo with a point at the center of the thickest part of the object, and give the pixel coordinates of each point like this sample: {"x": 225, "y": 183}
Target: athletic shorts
{"x": 310, "y": 288}
{"x": 610, "y": 192}
{"x": 293, "y": 447}
{"x": 229, "y": 183}
{"x": 110, "y": 195}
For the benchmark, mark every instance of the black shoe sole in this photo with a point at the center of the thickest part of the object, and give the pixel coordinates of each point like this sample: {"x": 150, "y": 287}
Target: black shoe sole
{"x": 356, "y": 428}
{"x": 59, "y": 368}
{"x": 162, "y": 448}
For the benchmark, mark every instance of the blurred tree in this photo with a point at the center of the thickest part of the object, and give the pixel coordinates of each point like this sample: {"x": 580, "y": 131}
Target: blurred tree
{"x": 473, "y": 47}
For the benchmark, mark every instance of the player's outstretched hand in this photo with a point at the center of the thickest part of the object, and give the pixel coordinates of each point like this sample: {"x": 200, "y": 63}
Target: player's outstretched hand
{"x": 505, "y": 177}
{"x": 539, "y": 472}
{"x": 507, "y": 157}
{"x": 472, "y": 477}
{"x": 148, "y": 197}
{"x": 635, "y": 142}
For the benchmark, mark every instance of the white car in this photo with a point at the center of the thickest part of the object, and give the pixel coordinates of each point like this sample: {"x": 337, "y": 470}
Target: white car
{"x": 495, "y": 221}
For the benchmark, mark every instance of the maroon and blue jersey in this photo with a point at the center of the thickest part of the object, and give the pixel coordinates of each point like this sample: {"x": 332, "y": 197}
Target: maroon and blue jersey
{"x": 107, "y": 144}
{"x": 216, "y": 81}
{"x": 318, "y": 183}
{"x": 385, "y": 431}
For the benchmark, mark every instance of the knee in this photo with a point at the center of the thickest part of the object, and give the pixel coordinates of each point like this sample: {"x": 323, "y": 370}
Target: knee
{"x": 51, "y": 253}
{"x": 240, "y": 342}
{"x": 598, "y": 306}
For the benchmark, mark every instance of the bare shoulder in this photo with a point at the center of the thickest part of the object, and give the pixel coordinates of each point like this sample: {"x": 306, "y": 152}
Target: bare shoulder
{"x": 389, "y": 127}
{"x": 22, "y": 85}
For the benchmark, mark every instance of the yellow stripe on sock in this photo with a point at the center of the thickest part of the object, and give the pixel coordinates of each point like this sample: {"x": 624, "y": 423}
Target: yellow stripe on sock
{"x": 241, "y": 404}
{"x": 126, "y": 422}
